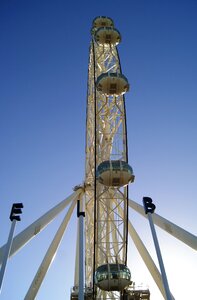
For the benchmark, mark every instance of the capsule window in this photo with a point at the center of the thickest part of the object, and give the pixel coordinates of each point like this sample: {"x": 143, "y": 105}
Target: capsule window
{"x": 99, "y": 87}
{"x": 115, "y": 181}
{"x": 116, "y": 165}
{"x": 108, "y": 38}
{"x": 112, "y": 88}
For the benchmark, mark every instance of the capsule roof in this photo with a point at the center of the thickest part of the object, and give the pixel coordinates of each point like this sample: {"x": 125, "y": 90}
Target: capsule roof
{"x": 102, "y": 21}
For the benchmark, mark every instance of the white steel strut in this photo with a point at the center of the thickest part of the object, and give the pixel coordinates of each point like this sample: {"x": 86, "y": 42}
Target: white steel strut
{"x": 42, "y": 270}
{"x": 176, "y": 231}
{"x": 36, "y": 227}
{"x": 147, "y": 258}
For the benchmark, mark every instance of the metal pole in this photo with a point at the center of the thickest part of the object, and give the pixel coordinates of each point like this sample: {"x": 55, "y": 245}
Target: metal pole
{"x": 176, "y": 231}
{"x": 81, "y": 279}
{"x": 7, "y": 252}
{"x": 149, "y": 209}
{"x": 81, "y": 215}
{"x": 159, "y": 256}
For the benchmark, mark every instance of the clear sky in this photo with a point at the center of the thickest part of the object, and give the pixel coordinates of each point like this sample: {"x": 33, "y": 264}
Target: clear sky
{"x": 43, "y": 80}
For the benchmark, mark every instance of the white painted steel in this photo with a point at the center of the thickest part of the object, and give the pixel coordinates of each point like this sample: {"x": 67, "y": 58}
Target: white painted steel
{"x": 81, "y": 258}
{"x": 105, "y": 140}
{"x": 160, "y": 260}
{"x": 42, "y": 270}
{"x": 36, "y": 227}
{"x": 173, "y": 229}
{"x": 7, "y": 252}
{"x": 76, "y": 276}
{"x": 81, "y": 247}
{"x": 147, "y": 258}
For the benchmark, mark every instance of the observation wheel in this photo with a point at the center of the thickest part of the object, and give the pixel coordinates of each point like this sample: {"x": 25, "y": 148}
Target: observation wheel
{"x": 103, "y": 195}
{"x": 107, "y": 170}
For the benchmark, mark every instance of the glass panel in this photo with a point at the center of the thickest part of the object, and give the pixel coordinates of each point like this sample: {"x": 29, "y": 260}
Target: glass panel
{"x": 103, "y": 167}
{"x": 101, "y": 269}
{"x": 126, "y": 167}
{"x": 113, "y": 267}
{"x": 116, "y": 165}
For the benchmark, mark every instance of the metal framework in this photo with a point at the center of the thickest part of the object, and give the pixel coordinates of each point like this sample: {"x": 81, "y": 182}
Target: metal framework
{"x": 36, "y": 227}
{"x": 106, "y": 229}
{"x": 106, "y": 208}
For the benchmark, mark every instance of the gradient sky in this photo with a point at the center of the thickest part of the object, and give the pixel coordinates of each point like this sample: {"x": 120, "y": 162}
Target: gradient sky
{"x": 43, "y": 80}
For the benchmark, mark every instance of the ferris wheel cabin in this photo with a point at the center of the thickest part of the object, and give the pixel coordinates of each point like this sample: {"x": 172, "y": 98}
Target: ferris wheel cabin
{"x": 112, "y": 277}
{"x": 107, "y": 35}
{"x": 102, "y": 21}
{"x": 112, "y": 84}
{"x": 114, "y": 173}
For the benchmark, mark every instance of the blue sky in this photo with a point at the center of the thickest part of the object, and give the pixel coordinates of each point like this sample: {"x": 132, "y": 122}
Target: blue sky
{"x": 43, "y": 80}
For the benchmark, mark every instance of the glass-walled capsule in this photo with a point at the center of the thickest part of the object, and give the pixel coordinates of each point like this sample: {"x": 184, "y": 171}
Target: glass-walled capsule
{"x": 107, "y": 36}
{"x": 102, "y": 21}
{"x": 112, "y": 277}
{"x": 114, "y": 173}
{"x": 112, "y": 84}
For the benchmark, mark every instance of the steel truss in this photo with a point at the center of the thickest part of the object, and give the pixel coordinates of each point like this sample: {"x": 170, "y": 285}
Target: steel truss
{"x": 106, "y": 230}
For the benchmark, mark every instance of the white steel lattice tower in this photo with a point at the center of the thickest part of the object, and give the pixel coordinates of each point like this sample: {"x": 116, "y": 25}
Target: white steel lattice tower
{"x": 106, "y": 205}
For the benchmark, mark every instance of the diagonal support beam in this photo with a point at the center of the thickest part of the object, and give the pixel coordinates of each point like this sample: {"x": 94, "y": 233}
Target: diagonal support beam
{"x": 36, "y": 227}
{"x": 176, "y": 231}
{"x": 42, "y": 270}
{"x": 147, "y": 259}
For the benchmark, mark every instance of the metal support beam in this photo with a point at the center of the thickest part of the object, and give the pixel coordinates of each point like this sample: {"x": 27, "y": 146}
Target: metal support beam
{"x": 81, "y": 215}
{"x": 176, "y": 231}
{"x": 36, "y": 227}
{"x": 76, "y": 278}
{"x": 40, "y": 275}
{"x": 149, "y": 208}
{"x": 146, "y": 258}
{"x": 160, "y": 260}
{"x": 7, "y": 251}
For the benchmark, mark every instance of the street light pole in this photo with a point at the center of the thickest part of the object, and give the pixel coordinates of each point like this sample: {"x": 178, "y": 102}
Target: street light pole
{"x": 149, "y": 208}
{"x": 16, "y": 209}
{"x": 81, "y": 215}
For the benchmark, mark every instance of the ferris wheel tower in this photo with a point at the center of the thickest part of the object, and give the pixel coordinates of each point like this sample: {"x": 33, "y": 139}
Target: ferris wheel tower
{"x": 103, "y": 197}
{"x": 107, "y": 171}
